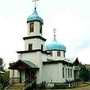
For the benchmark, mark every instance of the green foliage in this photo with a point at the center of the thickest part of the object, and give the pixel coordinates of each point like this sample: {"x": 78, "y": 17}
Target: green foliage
{"x": 1, "y": 64}
{"x": 84, "y": 74}
{"x": 4, "y": 75}
{"x": 60, "y": 86}
{"x": 4, "y": 79}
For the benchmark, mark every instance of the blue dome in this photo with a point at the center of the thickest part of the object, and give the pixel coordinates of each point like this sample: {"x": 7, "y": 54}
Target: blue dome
{"x": 54, "y": 45}
{"x": 34, "y": 17}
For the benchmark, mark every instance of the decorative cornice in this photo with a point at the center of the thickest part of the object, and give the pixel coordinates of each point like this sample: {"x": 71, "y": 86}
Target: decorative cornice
{"x": 55, "y": 50}
{"x": 31, "y": 51}
{"x": 33, "y": 37}
{"x": 34, "y": 21}
{"x": 58, "y": 61}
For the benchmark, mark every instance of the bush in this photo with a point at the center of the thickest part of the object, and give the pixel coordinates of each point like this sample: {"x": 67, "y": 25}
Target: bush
{"x": 42, "y": 85}
{"x": 60, "y": 86}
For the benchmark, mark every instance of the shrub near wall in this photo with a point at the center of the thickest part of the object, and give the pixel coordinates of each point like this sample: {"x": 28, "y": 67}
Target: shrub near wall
{"x": 60, "y": 86}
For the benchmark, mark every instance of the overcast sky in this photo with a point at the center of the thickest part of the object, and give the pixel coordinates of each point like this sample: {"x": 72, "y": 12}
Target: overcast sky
{"x": 71, "y": 18}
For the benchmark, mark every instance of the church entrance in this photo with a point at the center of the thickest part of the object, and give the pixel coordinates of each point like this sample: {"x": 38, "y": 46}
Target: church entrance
{"x": 27, "y": 71}
{"x": 30, "y": 75}
{"x": 76, "y": 74}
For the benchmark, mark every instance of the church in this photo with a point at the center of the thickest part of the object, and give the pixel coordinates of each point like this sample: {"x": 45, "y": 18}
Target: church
{"x": 41, "y": 61}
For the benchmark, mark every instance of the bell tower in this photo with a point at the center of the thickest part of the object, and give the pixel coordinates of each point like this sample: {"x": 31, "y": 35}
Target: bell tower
{"x": 34, "y": 43}
{"x": 34, "y": 39}
{"x": 34, "y": 23}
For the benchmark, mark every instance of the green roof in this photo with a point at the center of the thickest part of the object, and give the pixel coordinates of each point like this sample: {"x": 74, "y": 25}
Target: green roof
{"x": 34, "y": 17}
{"x": 29, "y": 64}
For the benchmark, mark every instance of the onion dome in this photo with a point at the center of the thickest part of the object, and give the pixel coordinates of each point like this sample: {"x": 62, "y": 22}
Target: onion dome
{"x": 54, "y": 45}
{"x": 34, "y": 17}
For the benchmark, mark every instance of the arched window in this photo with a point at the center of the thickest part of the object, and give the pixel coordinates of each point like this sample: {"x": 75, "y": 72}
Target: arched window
{"x": 31, "y": 27}
{"x": 58, "y": 53}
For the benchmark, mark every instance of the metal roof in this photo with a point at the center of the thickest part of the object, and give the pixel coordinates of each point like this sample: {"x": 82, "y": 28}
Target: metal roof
{"x": 54, "y": 45}
{"x": 32, "y": 65}
{"x": 18, "y": 64}
{"x": 34, "y": 17}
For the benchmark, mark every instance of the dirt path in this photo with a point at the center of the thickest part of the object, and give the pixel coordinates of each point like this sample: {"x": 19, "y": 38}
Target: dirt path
{"x": 80, "y": 88}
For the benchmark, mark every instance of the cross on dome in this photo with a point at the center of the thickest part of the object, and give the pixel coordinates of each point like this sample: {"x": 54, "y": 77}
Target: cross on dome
{"x": 35, "y": 1}
{"x": 54, "y": 31}
{"x": 34, "y": 16}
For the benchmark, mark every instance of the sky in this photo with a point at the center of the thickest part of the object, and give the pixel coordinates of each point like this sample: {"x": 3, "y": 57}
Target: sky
{"x": 71, "y": 18}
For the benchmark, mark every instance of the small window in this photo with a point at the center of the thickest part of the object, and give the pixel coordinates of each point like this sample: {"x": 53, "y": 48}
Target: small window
{"x": 71, "y": 72}
{"x": 68, "y": 72}
{"x": 40, "y": 28}
{"x": 63, "y": 72}
{"x": 31, "y": 27}
{"x": 42, "y": 47}
{"x": 30, "y": 47}
{"x": 50, "y": 53}
{"x": 64, "y": 54}
{"x": 58, "y": 53}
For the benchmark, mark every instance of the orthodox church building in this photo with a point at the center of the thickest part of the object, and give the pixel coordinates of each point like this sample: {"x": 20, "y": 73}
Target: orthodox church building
{"x": 40, "y": 61}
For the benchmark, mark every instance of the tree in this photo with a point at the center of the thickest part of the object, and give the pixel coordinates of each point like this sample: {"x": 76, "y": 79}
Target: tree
{"x": 4, "y": 76}
{"x": 1, "y": 64}
{"x": 84, "y": 73}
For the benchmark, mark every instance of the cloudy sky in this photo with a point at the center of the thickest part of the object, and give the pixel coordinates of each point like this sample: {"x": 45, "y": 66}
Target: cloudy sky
{"x": 71, "y": 18}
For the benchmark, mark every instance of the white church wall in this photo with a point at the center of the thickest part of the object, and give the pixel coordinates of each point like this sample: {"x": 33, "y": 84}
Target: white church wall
{"x": 72, "y": 73}
{"x": 36, "y": 58}
{"x": 61, "y": 78}
{"x": 36, "y": 43}
{"x": 71, "y": 78}
{"x": 55, "y": 57}
{"x": 52, "y": 73}
{"x": 33, "y": 57}
{"x": 39, "y": 74}
{"x": 44, "y": 57}
{"x": 62, "y": 53}
{"x": 66, "y": 76}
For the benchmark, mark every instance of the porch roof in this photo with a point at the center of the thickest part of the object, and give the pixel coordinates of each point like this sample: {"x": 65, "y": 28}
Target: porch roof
{"x": 22, "y": 64}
